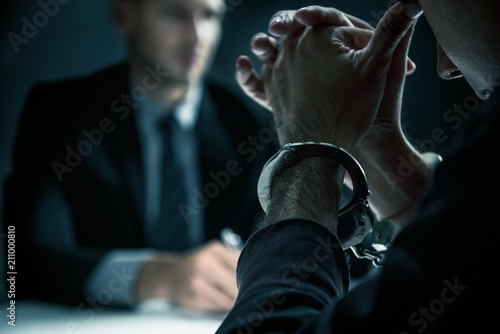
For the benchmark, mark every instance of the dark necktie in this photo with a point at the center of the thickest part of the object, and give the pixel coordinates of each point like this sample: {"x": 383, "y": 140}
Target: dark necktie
{"x": 172, "y": 229}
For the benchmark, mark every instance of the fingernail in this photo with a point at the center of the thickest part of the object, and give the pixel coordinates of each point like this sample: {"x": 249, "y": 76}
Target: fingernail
{"x": 241, "y": 75}
{"x": 412, "y": 10}
{"x": 305, "y": 9}
{"x": 275, "y": 20}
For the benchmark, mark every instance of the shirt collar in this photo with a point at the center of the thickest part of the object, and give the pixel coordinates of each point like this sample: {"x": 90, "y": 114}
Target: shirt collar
{"x": 186, "y": 113}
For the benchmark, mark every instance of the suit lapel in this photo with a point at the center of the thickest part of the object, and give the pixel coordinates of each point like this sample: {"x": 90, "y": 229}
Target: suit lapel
{"x": 121, "y": 148}
{"x": 216, "y": 151}
{"x": 129, "y": 161}
{"x": 215, "y": 144}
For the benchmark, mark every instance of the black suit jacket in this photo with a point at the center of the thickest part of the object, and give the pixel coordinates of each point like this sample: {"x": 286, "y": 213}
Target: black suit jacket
{"x": 77, "y": 151}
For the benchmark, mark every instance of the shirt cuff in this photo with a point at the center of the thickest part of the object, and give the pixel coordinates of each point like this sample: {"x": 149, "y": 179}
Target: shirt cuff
{"x": 112, "y": 281}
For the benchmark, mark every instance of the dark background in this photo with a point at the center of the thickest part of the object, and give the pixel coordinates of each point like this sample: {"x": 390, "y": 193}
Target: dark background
{"x": 82, "y": 38}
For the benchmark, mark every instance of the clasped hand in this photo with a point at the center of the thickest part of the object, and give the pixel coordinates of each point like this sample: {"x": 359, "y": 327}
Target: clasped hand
{"x": 333, "y": 78}
{"x": 326, "y": 77}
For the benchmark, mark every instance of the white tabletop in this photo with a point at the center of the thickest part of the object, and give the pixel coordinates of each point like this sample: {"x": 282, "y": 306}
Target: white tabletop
{"x": 151, "y": 317}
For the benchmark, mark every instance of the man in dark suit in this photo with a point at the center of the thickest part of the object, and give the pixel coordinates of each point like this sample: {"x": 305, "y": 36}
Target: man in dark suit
{"x": 122, "y": 178}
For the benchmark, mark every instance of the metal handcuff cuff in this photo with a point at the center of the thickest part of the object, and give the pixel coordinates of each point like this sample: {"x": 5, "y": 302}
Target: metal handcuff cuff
{"x": 355, "y": 218}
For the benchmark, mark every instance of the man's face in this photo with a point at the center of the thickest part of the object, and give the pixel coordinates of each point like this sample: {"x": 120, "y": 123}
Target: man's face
{"x": 181, "y": 36}
{"x": 466, "y": 36}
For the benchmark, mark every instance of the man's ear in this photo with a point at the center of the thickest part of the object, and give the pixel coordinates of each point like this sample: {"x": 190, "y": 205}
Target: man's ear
{"x": 125, "y": 12}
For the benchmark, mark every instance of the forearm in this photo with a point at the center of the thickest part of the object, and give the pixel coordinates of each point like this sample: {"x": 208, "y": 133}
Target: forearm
{"x": 50, "y": 263}
{"x": 396, "y": 176}
{"x": 52, "y": 274}
{"x": 309, "y": 268}
{"x": 308, "y": 190}
{"x": 117, "y": 274}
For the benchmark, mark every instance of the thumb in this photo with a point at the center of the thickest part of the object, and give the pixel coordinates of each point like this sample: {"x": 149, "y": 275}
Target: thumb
{"x": 391, "y": 29}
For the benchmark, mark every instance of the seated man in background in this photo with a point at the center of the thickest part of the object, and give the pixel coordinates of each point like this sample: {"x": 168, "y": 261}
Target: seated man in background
{"x": 121, "y": 179}
{"x": 332, "y": 79}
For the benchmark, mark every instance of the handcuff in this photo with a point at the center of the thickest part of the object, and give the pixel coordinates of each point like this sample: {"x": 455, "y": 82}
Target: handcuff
{"x": 356, "y": 220}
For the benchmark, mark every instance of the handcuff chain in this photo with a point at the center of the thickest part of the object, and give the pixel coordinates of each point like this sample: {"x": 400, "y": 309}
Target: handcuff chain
{"x": 361, "y": 252}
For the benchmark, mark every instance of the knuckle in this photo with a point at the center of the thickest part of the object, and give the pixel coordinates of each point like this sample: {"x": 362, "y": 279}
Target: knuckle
{"x": 213, "y": 246}
{"x": 195, "y": 284}
{"x": 278, "y": 14}
{"x": 282, "y": 16}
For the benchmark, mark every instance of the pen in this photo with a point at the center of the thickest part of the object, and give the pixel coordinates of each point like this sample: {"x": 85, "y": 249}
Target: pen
{"x": 231, "y": 239}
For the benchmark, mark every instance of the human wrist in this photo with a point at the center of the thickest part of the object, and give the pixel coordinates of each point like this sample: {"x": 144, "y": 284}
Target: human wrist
{"x": 310, "y": 190}
{"x": 397, "y": 175}
{"x": 155, "y": 279}
{"x": 311, "y": 124}
{"x": 423, "y": 165}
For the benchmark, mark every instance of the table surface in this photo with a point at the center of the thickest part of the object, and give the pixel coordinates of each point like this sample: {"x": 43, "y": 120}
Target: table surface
{"x": 152, "y": 317}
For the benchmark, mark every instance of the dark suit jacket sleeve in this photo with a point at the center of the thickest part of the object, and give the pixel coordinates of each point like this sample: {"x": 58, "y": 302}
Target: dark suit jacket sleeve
{"x": 439, "y": 276}
{"x": 50, "y": 266}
